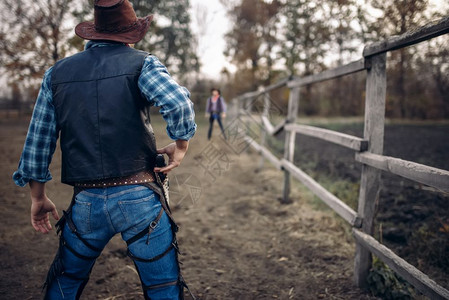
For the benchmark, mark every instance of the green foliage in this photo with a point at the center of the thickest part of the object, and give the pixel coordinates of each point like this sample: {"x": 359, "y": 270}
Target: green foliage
{"x": 345, "y": 190}
{"x": 384, "y": 283}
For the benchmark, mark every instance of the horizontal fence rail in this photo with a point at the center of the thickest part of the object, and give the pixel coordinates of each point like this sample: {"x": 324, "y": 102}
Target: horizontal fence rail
{"x": 335, "y": 137}
{"x": 368, "y": 149}
{"x": 410, "y": 38}
{"x": 264, "y": 90}
{"x": 265, "y": 152}
{"x": 350, "y": 68}
{"x": 331, "y": 200}
{"x": 430, "y": 176}
{"x": 417, "y": 278}
{"x": 270, "y": 129}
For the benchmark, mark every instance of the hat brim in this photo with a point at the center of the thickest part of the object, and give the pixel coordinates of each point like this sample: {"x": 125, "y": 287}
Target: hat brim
{"x": 86, "y": 30}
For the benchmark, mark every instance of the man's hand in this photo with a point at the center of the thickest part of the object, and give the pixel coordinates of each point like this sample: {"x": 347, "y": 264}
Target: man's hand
{"x": 176, "y": 152}
{"x": 41, "y": 206}
{"x": 223, "y": 115}
{"x": 206, "y": 115}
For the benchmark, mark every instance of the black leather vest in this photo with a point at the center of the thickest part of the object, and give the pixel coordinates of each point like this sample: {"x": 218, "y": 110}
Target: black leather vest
{"x": 103, "y": 118}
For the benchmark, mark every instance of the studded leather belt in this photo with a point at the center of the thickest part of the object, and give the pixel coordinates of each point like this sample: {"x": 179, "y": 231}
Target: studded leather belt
{"x": 141, "y": 177}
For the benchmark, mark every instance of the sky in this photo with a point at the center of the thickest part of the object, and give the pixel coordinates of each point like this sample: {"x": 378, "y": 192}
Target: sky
{"x": 210, "y": 28}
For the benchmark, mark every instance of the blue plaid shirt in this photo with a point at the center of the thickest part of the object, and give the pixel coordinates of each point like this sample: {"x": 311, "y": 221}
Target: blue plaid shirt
{"x": 155, "y": 84}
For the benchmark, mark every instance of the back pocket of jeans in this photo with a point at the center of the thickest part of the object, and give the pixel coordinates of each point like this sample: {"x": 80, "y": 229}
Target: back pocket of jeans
{"x": 139, "y": 212}
{"x": 81, "y": 212}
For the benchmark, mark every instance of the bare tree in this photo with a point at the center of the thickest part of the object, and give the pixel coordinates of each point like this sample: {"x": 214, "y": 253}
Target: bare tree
{"x": 250, "y": 44}
{"x": 399, "y": 17}
{"x": 32, "y": 37}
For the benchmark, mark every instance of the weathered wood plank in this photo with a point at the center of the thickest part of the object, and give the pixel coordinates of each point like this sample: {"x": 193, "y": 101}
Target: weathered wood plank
{"x": 376, "y": 85}
{"x": 233, "y": 109}
{"x": 414, "y": 276}
{"x": 269, "y": 127}
{"x": 350, "y": 68}
{"x": 267, "y": 124}
{"x": 409, "y": 38}
{"x": 266, "y": 89}
{"x": 434, "y": 177}
{"x": 332, "y": 136}
{"x": 331, "y": 200}
{"x": 289, "y": 144}
{"x": 249, "y": 95}
{"x": 273, "y": 159}
{"x": 279, "y": 84}
{"x": 278, "y": 128}
{"x": 265, "y": 152}
{"x": 263, "y": 135}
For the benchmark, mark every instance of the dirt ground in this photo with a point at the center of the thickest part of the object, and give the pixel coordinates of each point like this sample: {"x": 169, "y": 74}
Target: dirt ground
{"x": 238, "y": 241}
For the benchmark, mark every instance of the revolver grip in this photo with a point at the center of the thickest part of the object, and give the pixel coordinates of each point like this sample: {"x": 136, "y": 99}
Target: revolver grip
{"x": 160, "y": 163}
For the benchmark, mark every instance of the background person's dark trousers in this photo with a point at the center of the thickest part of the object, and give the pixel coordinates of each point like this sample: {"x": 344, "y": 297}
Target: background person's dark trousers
{"x": 211, "y": 125}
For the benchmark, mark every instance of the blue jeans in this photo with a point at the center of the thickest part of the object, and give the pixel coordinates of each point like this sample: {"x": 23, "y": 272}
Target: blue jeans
{"x": 98, "y": 215}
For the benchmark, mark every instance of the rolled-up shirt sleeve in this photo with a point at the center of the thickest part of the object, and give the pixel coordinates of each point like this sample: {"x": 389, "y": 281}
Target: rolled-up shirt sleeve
{"x": 41, "y": 139}
{"x": 161, "y": 90}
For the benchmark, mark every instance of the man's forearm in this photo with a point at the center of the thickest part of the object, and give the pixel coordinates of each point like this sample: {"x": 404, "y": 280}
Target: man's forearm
{"x": 37, "y": 190}
{"x": 182, "y": 144}
{"x": 41, "y": 206}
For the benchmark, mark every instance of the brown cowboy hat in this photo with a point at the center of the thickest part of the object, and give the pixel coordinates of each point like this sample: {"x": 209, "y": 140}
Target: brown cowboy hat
{"x": 115, "y": 20}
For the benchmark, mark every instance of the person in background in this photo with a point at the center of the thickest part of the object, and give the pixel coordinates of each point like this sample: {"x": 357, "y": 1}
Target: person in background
{"x": 215, "y": 110}
{"x": 97, "y": 101}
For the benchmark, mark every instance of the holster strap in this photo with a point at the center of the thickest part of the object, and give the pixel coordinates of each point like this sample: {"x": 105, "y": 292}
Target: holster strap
{"x": 161, "y": 285}
{"x": 72, "y": 228}
{"x": 157, "y": 257}
{"x": 146, "y": 230}
{"x": 158, "y": 189}
{"x": 77, "y": 254}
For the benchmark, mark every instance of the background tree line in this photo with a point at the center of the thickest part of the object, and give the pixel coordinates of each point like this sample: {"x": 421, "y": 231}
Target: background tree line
{"x": 268, "y": 40}
{"x": 35, "y": 34}
{"x": 275, "y": 39}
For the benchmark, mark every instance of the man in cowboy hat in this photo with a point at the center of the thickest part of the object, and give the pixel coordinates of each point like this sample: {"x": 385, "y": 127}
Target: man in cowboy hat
{"x": 98, "y": 101}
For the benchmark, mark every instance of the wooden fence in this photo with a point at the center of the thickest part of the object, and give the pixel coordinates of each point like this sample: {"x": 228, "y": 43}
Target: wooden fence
{"x": 368, "y": 151}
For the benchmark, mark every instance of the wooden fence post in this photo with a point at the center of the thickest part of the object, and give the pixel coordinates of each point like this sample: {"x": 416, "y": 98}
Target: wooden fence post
{"x": 370, "y": 179}
{"x": 289, "y": 145}
{"x": 232, "y": 112}
{"x": 263, "y": 131}
{"x": 248, "y": 106}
